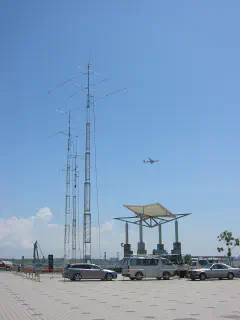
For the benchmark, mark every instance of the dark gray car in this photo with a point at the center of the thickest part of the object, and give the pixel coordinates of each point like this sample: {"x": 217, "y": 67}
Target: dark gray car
{"x": 77, "y": 272}
{"x": 216, "y": 270}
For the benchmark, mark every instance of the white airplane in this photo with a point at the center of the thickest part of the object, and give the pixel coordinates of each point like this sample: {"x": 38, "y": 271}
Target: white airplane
{"x": 150, "y": 161}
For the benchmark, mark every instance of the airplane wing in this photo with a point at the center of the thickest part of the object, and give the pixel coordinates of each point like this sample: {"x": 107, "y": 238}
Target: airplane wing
{"x": 150, "y": 159}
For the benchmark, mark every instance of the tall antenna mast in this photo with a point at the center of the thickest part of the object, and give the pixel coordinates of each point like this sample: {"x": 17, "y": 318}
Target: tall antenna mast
{"x": 74, "y": 212}
{"x": 67, "y": 200}
{"x": 87, "y": 183}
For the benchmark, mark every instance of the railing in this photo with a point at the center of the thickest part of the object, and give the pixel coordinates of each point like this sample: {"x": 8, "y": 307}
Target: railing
{"x": 26, "y": 273}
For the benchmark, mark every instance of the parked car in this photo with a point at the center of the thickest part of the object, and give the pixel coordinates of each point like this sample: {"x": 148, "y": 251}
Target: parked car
{"x": 77, "y": 272}
{"x": 216, "y": 270}
{"x": 137, "y": 268}
{"x": 5, "y": 265}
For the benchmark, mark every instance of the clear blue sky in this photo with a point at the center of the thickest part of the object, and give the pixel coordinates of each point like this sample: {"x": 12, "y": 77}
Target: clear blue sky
{"x": 178, "y": 60}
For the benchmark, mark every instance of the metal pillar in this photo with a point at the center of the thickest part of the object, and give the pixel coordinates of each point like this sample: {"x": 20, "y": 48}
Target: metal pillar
{"x": 160, "y": 245}
{"x": 67, "y": 197}
{"x": 87, "y": 184}
{"x": 126, "y": 233}
{"x": 74, "y": 215}
{"x": 127, "y": 246}
{"x": 141, "y": 244}
{"x": 176, "y": 245}
{"x": 160, "y": 234}
{"x": 141, "y": 230}
{"x": 176, "y": 231}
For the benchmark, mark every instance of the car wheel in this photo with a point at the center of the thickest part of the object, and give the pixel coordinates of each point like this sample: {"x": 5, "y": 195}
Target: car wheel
{"x": 202, "y": 276}
{"x": 131, "y": 278}
{"x": 139, "y": 276}
{"x": 158, "y": 278}
{"x": 166, "y": 276}
{"x": 108, "y": 277}
{"x": 7, "y": 268}
{"x": 77, "y": 277}
{"x": 230, "y": 276}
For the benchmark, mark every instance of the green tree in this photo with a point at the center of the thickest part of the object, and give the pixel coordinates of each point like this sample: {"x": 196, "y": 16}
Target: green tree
{"x": 188, "y": 259}
{"x": 229, "y": 241}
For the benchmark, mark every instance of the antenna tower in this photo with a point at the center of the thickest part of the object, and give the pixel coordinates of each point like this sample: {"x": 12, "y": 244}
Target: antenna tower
{"x": 87, "y": 183}
{"x": 74, "y": 212}
{"x": 67, "y": 200}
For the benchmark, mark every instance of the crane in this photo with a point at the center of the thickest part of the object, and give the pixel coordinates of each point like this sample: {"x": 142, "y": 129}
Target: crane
{"x": 36, "y": 258}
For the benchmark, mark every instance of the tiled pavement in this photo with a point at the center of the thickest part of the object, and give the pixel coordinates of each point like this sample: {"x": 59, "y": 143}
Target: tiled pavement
{"x": 54, "y": 299}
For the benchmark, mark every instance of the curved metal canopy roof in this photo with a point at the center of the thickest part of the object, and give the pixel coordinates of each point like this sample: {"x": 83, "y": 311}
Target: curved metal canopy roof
{"x": 153, "y": 210}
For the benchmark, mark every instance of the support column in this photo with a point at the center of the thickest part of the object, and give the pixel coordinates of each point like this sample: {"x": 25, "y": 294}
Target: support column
{"x": 127, "y": 246}
{"x": 176, "y": 231}
{"x": 160, "y": 245}
{"x": 141, "y": 230}
{"x": 126, "y": 233}
{"x": 141, "y": 244}
{"x": 176, "y": 245}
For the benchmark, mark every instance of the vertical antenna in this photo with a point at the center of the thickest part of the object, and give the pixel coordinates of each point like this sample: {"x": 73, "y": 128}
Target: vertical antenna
{"x": 87, "y": 183}
{"x": 67, "y": 200}
{"x": 74, "y": 213}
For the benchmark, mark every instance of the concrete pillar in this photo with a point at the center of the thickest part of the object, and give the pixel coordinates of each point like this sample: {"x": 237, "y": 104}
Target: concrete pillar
{"x": 160, "y": 233}
{"x": 126, "y": 233}
{"x": 141, "y": 244}
{"x": 160, "y": 245}
{"x": 176, "y": 230}
{"x": 141, "y": 230}
{"x": 176, "y": 245}
{"x": 127, "y": 246}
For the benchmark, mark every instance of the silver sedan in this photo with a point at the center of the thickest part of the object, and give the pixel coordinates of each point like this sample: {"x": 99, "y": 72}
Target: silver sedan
{"x": 216, "y": 270}
{"x": 77, "y": 272}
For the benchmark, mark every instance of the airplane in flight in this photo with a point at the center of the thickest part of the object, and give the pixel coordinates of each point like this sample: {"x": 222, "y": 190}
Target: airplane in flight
{"x": 150, "y": 161}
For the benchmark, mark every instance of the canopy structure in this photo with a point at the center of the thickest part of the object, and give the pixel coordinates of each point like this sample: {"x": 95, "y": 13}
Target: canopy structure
{"x": 150, "y": 215}
{"x": 150, "y": 210}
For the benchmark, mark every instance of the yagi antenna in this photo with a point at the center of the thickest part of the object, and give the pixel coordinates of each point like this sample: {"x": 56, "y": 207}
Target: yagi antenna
{"x": 67, "y": 81}
{"x": 110, "y": 93}
{"x": 59, "y": 132}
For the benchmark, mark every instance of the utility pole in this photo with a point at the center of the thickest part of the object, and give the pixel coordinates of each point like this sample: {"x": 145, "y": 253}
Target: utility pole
{"x": 67, "y": 198}
{"x": 87, "y": 183}
{"x": 74, "y": 212}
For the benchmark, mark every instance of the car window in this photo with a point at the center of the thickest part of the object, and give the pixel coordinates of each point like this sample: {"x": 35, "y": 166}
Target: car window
{"x": 133, "y": 262}
{"x": 207, "y": 266}
{"x": 76, "y": 266}
{"x": 219, "y": 266}
{"x": 85, "y": 266}
{"x": 155, "y": 262}
{"x": 124, "y": 261}
{"x": 95, "y": 267}
{"x": 223, "y": 266}
{"x": 166, "y": 262}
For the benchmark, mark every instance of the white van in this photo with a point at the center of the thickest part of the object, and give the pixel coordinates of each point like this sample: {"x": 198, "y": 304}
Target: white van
{"x": 146, "y": 267}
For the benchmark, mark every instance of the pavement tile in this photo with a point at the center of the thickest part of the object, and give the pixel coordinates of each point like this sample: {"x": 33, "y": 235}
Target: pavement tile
{"x": 55, "y": 299}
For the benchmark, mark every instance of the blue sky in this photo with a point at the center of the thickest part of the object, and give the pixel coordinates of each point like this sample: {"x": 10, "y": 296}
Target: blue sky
{"x": 180, "y": 64}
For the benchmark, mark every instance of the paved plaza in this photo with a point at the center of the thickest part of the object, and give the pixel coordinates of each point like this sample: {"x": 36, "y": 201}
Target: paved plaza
{"x": 54, "y": 299}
